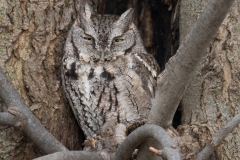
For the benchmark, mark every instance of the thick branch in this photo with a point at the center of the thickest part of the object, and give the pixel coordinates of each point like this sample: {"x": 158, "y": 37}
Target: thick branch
{"x": 143, "y": 133}
{"x": 71, "y": 155}
{"x": 174, "y": 79}
{"x": 27, "y": 121}
{"x": 218, "y": 138}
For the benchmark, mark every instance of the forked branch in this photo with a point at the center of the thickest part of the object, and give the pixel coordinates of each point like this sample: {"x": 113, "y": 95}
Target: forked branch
{"x": 143, "y": 133}
{"x": 180, "y": 68}
{"x": 171, "y": 85}
{"x": 173, "y": 81}
{"x": 19, "y": 115}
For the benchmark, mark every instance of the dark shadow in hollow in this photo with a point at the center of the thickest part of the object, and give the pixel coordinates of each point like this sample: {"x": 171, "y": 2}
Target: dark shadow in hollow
{"x": 177, "y": 117}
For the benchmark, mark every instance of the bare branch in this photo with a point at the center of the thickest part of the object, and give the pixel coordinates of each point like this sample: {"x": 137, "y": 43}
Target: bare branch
{"x": 22, "y": 117}
{"x": 174, "y": 79}
{"x": 218, "y": 138}
{"x": 143, "y": 133}
{"x": 8, "y": 119}
{"x": 71, "y": 155}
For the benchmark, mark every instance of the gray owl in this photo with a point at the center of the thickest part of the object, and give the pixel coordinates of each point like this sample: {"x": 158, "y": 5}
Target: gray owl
{"x": 108, "y": 77}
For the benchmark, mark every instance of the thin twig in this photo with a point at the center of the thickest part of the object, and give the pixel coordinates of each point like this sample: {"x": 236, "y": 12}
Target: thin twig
{"x": 164, "y": 153}
{"x": 22, "y": 117}
{"x": 218, "y": 138}
{"x": 154, "y": 150}
{"x": 143, "y": 133}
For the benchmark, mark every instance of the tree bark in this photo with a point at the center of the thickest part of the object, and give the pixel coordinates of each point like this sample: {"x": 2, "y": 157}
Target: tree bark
{"x": 32, "y": 38}
{"x": 32, "y": 35}
{"x": 212, "y": 99}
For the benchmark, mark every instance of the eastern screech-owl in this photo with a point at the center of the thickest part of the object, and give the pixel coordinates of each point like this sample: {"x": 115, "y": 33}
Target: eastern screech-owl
{"x": 108, "y": 76}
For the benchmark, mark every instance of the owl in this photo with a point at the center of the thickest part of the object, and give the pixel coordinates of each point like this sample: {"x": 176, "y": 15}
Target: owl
{"x": 108, "y": 77}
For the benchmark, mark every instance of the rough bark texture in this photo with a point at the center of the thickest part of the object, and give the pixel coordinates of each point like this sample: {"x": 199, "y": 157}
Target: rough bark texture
{"x": 212, "y": 98}
{"x": 20, "y": 116}
{"x": 32, "y": 35}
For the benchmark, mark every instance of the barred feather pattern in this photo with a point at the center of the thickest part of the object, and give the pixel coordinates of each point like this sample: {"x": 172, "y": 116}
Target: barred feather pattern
{"x": 112, "y": 92}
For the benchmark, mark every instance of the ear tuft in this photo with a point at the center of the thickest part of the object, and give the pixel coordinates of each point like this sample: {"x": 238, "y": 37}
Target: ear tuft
{"x": 88, "y": 10}
{"x": 127, "y": 16}
{"x": 125, "y": 19}
{"x": 85, "y": 13}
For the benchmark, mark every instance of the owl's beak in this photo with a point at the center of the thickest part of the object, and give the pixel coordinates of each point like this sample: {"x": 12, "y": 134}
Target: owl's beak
{"x": 102, "y": 55}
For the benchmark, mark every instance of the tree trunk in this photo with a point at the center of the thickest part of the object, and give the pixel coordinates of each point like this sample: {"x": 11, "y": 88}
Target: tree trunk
{"x": 213, "y": 96}
{"x": 32, "y": 36}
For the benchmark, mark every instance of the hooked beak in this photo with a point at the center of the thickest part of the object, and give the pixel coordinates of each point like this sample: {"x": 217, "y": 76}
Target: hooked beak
{"x": 102, "y": 55}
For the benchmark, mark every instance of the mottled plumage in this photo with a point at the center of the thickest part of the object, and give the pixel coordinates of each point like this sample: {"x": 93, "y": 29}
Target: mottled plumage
{"x": 108, "y": 77}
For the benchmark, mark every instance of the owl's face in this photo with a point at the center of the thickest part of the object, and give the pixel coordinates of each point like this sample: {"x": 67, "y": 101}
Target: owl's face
{"x": 102, "y": 36}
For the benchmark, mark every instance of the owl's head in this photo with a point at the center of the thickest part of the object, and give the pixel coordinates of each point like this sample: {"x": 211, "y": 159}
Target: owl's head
{"x": 103, "y": 36}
